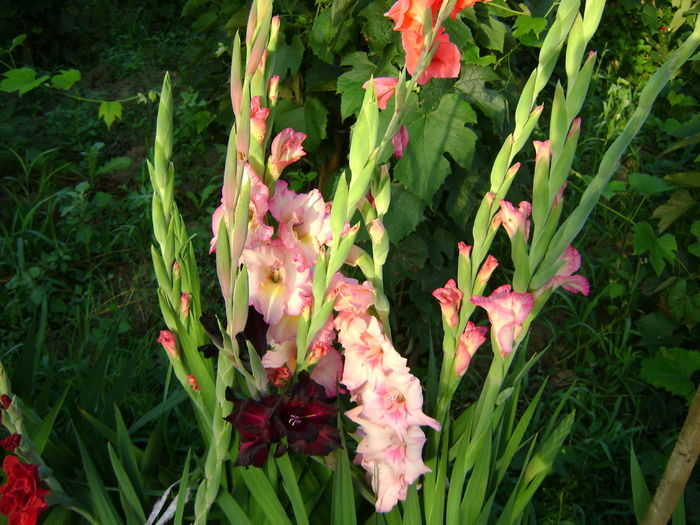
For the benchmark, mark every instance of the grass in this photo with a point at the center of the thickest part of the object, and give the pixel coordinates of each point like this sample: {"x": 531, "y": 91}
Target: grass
{"x": 77, "y": 284}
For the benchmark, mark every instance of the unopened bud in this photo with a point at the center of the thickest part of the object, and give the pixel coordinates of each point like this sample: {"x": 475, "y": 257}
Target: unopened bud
{"x": 192, "y": 381}
{"x": 512, "y": 170}
{"x": 167, "y": 339}
{"x": 273, "y": 89}
{"x": 543, "y": 150}
{"x": 176, "y": 270}
{"x": 575, "y": 127}
{"x": 485, "y": 272}
{"x": 472, "y": 338}
{"x": 185, "y": 298}
{"x": 464, "y": 250}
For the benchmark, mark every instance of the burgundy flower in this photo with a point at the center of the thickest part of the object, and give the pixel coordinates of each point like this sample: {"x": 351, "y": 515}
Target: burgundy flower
{"x": 22, "y": 500}
{"x": 303, "y": 416}
{"x": 11, "y": 442}
{"x": 6, "y": 401}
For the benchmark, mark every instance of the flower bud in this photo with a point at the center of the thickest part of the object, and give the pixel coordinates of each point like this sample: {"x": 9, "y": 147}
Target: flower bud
{"x": 192, "y": 381}
{"x": 472, "y": 338}
{"x": 273, "y": 89}
{"x": 185, "y": 298}
{"x": 450, "y": 298}
{"x": 167, "y": 339}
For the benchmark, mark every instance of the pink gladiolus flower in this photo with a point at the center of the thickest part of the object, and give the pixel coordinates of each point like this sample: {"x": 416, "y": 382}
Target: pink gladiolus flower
{"x": 543, "y": 150}
{"x": 450, "y": 298}
{"x": 507, "y": 311}
{"x": 565, "y": 275}
{"x": 400, "y": 141}
{"x": 469, "y": 341}
{"x": 279, "y": 284}
{"x": 304, "y": 224}
{"x": 258, "y": 119}
{"x": 286, "y": 148}
{"x": 384, "y": 88}
{"x": 445, "y": 63}
{"x": 515, "y": 219}
{"x": 353, "y": 297}
{"x": 328, "y": 371}
{"x": 167, "y": 339}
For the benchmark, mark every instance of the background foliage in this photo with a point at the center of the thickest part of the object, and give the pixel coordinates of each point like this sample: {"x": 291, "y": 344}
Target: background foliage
{"x": 80, "y": 317}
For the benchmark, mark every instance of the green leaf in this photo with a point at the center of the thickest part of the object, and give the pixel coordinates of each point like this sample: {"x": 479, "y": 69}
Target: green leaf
{"x": 231, "y": 509}
{"x": 676, "y": 206}
{"x": 687, "y": 179}
{"x": 472, "y": 82}
{"x": 404, "y": 214}
{"x": 109, "y": 112}
{"x": 288, "y": 56}
{"x": 126, "y": 489}
{"x": 289, "y": 480}
{"x": 660, "y": 249}
{"x": 640, "y": 491}
{"x": 527, "y": 29}
{"x": 648, "y": 184}
{"x": 491, "y": 33}
{"x": 423, "y": 168}
{"x": 343, "y": 502}
{"x": 672, "y": 369}
{"x": 686, "y": 307}
{"x": 104, "y": 509}
{"x": 311, "y": 118}
{"x": 18, "y": 41}
{"x": 376, "y": 27}
{"x": 261, "y": 490}
{"x": 695, "y": 247}
{"x": 115, "y": 164}
{"x": 350, "y": 83}
{"x": 66, "y": 79}
{"x": 182, "y": 491}
{"x": 22, "y": 80}
{"x": 41, "y": 437}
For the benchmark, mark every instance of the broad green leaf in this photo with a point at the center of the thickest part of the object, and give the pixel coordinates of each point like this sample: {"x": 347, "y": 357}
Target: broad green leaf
{"x": 527, "y": 29}
{"x": 18, "y": 41}
{"x": 423, "y": 168}
{"x": 375, "y": 26}
{"x": 404, "y": 214}
{"x": 311, "y": 118}
{"x": 695, "y": 247}
{"x": 660, "y": 249}
{"x": 350, "y": 83}
{"x": 115, "y": 164}
{"x": 685, "y": 306}
{"x": 109, "y": 112}
{"x": 672, "y": 369}
{"x": 648, "y": 184}
{"x": 686, "y": 179}
{"x": 22, "y": 80}
{"x": 66, "y": 79}
{"x": 288, "y": 56}
{"x": 640, "y": 491}
{"x": 472, "y": 82}
{"x": 491, "y": 32}
{"x": 676, "y": 206}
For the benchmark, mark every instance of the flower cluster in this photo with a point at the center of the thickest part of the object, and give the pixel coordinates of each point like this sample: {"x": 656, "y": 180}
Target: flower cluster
{"x": 22, "y": 500}
{"x": 388, "y": 396}
{"x": 409, "y": 17}
{"x": 302, "y": 416}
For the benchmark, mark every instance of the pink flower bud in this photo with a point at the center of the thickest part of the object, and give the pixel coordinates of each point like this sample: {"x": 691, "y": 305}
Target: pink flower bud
{"x": 490, "y": 196}
{"x": 486, "y": 270}
{"x": 543, "y": 150}
{"x": 176, "y": 270}
{"x": 464, "y": 250}
{"x": 167, "y": 339}
{"x": 185, "y": 303}
{"x": 400, "y": 141}
{"x": 258, "y": 120}
{"x": 559, "y": 197}
{"x": 192, "y": 381}
{"x": 575, "y": 127}
{"x": 273, "y": 89}
{"x": 376, "y": 231}
{"x": 472, "y": 338}
{"x": 512, "y": 170}
{"x": 384, "y": 88}
{"x": 450, "y": 298}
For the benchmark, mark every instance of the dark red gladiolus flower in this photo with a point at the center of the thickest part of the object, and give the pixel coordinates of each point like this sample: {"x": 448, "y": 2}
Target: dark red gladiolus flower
{"x": 6, "y": 401}
{"x": 22, "y": 500}
{"x": 11, "y": 442}
{"x": 303, "y": 416}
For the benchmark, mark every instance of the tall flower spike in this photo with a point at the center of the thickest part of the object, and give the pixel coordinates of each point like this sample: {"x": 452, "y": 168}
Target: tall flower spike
{"x": 507, "y": 310}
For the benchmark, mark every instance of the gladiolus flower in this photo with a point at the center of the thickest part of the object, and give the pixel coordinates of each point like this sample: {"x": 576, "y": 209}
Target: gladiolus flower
{"x": 445, "y": 62}
{"x": 450, "y": 298}
{"x": 286, "y": 148}
{"x": 384, "y": 88}
{"x": 469, "y": 341}
{"x": 571, "y": 262}
{"x": 507, "y": 311}
{"x": 515, "y": 219}
{"x": 22, "y": 500}
{"x": 400, "y": 141}
{"x": 167, "y": 339}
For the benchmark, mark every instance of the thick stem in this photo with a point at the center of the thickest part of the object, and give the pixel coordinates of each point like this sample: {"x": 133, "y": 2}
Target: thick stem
{"x": 678, "y": 468}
